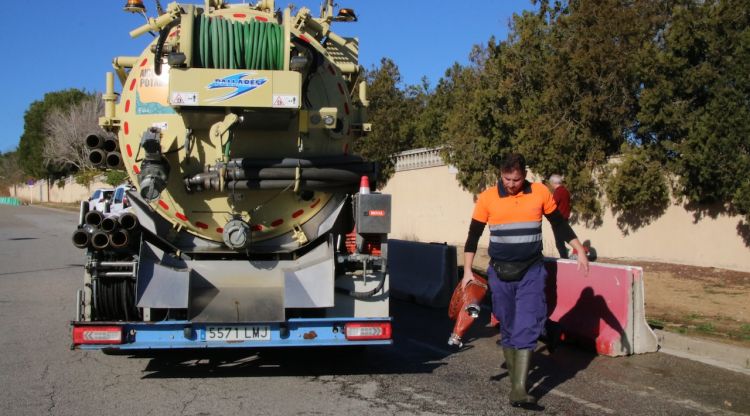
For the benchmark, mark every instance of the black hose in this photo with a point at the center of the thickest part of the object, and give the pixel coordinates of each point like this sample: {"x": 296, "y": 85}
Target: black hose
{"x": 320, "y": 174}
{"x": 363, "y": 295}
{"x": 160, "y": 45}
{"x": 304, "y": 184}
{"x": 288, "y": 162}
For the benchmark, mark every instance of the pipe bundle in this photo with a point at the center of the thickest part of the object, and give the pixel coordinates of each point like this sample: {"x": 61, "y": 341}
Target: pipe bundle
{"x": 100, "y": 231}
{"x": 104, "y": 151}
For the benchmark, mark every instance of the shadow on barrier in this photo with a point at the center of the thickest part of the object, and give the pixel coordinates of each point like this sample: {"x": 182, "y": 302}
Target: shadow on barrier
{"x": 581, "y": 325}
{"x": 602, "y": 311}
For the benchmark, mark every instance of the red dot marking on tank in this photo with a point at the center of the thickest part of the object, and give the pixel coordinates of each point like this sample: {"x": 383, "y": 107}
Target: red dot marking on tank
{"x": 256, "y": 227}
{"x": 132, "y": 84}
{"x": 180, "y": 216}
{"x": 341, "y": 89}
{"x": 276, "y": 223}
{"x": 136, "y": 169}
{"x": 201, "y": 225}
{"x": 126, "y": 128}
{"x": 346, "y": 108}
{"x": 127, "y": 106}
{"x": 261, "y": 19}
{"x": 297, "y": 213}
{"x": 331, "y": 70}
{"x": 346, "y": 148}
{"x": 144, "y": 62}
{"x": 315, "y": 204}
{"x": 220, "y": 230}
{"x": 129, "y": 150}
{"x": 240, "y": 15}
{"x": 304, "y": 38}
{"x": 163, "y": 205}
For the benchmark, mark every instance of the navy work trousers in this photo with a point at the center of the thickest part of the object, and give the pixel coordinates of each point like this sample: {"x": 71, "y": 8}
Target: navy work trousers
{"x": 520, "y": 306}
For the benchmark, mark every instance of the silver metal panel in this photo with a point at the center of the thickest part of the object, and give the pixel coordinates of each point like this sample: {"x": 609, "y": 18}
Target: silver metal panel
{"x": 163, "y": 281}
{"x": 163, "y": 287}
{"x": 309, "y": 281}
{"x": 236, "y": 291}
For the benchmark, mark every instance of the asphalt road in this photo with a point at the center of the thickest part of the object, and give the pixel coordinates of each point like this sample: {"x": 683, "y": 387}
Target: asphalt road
{"x": 419, "y": 375}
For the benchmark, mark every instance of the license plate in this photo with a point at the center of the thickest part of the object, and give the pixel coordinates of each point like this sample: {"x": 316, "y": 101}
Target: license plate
{"x": 238, "y": 333}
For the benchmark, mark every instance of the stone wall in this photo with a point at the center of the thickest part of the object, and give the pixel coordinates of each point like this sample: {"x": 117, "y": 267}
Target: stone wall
{"x": 429, "y": 205}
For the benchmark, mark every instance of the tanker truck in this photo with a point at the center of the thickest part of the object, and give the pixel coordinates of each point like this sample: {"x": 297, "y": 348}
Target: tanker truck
{"x": 251, "y": 222}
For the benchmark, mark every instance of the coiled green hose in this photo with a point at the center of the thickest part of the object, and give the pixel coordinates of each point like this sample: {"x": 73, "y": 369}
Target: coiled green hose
{"x": 226, "y": 44}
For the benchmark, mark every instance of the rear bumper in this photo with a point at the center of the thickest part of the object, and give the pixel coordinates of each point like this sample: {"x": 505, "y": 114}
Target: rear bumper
{"x": 187, "y": 335}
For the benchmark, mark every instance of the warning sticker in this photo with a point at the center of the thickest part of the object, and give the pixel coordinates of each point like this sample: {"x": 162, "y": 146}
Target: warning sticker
{"x": 162, "y": 125}
{"x": 183, "y": 98}
{"x": 285, "y": 101}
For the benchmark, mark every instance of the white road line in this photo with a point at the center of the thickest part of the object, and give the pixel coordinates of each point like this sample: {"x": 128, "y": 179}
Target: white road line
{"x": 573, "y": 398}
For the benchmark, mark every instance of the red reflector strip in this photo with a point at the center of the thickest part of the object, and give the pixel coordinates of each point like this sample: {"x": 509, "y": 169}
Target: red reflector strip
{"x": 97, "y": 335}
{"x": 361, "y": 331}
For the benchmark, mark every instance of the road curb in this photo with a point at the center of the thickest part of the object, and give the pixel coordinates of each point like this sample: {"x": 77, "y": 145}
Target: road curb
{"x": 725, "y": 356}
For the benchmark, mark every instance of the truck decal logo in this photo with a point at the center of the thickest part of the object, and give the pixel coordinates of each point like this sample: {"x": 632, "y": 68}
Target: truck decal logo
{"x": 240, "y": 85}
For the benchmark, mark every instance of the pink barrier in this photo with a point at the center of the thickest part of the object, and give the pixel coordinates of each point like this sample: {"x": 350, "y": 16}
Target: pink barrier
{"x": 603, "y": 310}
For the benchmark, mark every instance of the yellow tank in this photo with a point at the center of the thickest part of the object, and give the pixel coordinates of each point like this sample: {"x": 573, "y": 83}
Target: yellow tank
{"x": 236, "y": 123}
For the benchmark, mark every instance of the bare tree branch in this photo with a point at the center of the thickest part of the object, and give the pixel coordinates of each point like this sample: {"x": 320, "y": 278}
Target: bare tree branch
{"x": 66, "y": 131}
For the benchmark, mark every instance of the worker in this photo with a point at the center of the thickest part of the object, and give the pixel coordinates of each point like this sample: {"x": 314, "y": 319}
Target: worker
{"x": 562, "y": 198}
{"x": 513, "y": 209}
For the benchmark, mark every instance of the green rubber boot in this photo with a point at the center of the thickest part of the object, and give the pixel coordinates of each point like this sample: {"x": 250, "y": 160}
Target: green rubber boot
{"x": 519, "y": 397}
{"x": 509, "y": 354}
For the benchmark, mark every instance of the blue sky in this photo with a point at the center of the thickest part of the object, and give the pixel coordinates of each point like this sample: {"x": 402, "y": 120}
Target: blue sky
{"x": 53, "y": 45}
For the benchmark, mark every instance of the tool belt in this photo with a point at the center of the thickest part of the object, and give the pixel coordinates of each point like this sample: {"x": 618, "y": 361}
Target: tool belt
{"x": 513, "y": 271}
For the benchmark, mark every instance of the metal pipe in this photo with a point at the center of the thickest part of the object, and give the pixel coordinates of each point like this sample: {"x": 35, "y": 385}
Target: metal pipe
{"x": 156, "y": 24}
{"x": 109, "y": 97}
{"x": 84, "y": 208}
{"x": 114, "y": 264}
{"x": 116, "y": 274}
{"x": 119, "y": 238}
{"x": 93, "y": 218}
{"x": 128, "y": 221}
{"x": 100, "y": 240}
{"x": 109, "y": 223}
{"x": 94, "y": 141}
{"x": 82, "y": 236}
{"x": 187, "y": 23}
{"x": 97, "y": 157}
{"x": 287, "y": 22}
{"x": 110, "y": 144}
{"x": 120, "y": 63}
{"x": 114, "y": 159}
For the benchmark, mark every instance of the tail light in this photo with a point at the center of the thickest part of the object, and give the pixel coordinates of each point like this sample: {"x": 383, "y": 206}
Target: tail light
{"x": 97, "y": 335}
{"x": 361, "y": 331}
{"x": 125, "y": 202}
